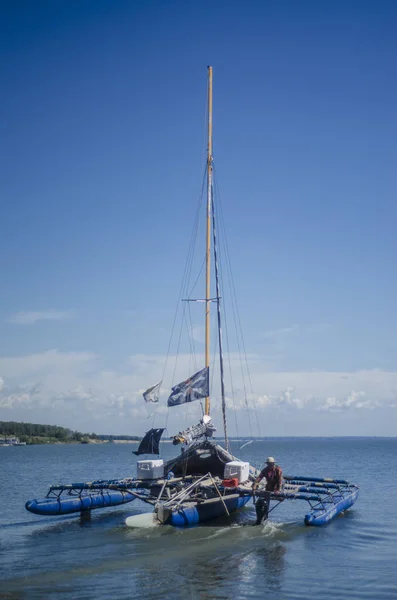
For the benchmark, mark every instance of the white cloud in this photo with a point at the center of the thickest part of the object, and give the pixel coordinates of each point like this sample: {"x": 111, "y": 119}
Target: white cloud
{"x": 356, "y": 400}
{"x": 263, "y": 401}
{"x": 77, "y": 391}
{"x": 19, "y": 395}
{"x": 26, "y": 317}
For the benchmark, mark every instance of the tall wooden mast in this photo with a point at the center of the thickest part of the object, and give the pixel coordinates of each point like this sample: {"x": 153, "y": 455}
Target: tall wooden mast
{"x": 208, "y": 252}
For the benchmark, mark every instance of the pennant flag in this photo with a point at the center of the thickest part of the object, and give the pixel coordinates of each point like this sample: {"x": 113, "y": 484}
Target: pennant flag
{"x": 150, "y": 444}
{"x": 194, "y": 388}
{"x": 152, "y": 394}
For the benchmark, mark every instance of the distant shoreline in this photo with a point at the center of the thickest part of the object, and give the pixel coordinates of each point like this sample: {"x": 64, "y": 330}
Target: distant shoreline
{"x": 33, "y": 434}
{"x": 92, "y": 441}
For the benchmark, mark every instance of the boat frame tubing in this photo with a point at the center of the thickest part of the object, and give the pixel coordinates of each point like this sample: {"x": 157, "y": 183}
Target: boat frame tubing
{"x": 326, "y": 498}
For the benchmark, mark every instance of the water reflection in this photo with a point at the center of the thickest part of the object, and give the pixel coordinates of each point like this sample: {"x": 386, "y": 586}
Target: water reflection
{"x": 229, "y": 569}
{"x": 206, "y": 578}
{"x": 274, "y": 565}
{"x": 48, "y": 559}
{"x": 263, "y": 568}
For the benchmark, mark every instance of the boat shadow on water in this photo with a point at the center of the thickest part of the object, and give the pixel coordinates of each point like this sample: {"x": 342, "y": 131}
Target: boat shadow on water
{"x": 109, "y": 520}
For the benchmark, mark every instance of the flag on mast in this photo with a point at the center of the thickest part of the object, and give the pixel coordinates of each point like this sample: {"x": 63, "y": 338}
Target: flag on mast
{"x": 194, "y": 388}
{"x": 152, "y": 393}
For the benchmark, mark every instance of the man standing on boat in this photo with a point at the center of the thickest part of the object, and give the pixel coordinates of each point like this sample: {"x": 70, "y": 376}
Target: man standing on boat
{"x": 274, "y": 479}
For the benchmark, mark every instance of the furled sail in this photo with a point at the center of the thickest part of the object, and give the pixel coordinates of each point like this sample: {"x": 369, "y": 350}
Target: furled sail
{"x": 194, "y": 388}
{"x": 152, "y": 393}
{"x": 150, "y": 443}
{"x": 204, "y": 428}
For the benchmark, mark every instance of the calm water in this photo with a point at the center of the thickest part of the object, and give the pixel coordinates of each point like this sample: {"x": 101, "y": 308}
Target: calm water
{"x": 354, "y": 557}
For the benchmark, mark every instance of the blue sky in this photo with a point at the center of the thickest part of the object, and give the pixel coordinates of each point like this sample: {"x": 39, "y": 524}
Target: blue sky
{"x": 102, "y": 153}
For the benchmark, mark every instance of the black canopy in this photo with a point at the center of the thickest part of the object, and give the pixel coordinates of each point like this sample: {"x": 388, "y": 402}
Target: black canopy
{"x": 150, "y": 444}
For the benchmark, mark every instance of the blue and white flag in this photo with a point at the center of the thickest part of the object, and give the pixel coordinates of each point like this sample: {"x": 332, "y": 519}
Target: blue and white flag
{"x": 152, "y": 394}
{"x": 194, "y": 388}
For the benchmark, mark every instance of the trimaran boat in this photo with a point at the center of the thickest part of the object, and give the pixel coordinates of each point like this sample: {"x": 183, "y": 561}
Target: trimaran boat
{"x": 205, "y": 480}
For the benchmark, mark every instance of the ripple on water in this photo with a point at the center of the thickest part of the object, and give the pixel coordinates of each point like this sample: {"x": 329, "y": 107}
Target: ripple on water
{"x": 352, "y": 558}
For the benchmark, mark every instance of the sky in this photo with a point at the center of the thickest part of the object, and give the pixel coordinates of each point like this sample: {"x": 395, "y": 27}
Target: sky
{"x": 102, "y": 151}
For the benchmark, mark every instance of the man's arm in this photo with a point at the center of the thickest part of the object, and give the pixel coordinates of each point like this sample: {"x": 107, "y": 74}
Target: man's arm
{"x": 258, "y": 479}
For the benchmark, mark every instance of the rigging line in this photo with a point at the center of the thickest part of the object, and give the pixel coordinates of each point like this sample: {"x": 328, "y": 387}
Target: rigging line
{"x": 198, "y": 215}
{"x": 189, "y": 259}
{"x": 177, "y": 354}
{"x": 234, "y": 310}
{"x": 172, "y": 335}
{"x": 218, "y": 293}
{"x": 229, "y": 356}
{"x": 249, "y": 376}
{"x": 177, "y": 348}
{"x": 191, "y": 337}
{"x": 198, "y": 277}
{"x": 238, "y": 316}
{"x": 183, "y": 320}
{"x": 225, "y": 313}
{"x": 243, "y": 375}
{"x": 215, "y": 350}
{"x": 186, "y": 275}
{"x": 231, "y": 378}
{"x": 187, "y": 278}
{"x": 193, "y": 356}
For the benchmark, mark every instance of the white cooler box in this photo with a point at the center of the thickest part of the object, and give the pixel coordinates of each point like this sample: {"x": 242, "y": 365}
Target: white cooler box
{"x": 150, "y": 469}
{"x": 237, "y": 470}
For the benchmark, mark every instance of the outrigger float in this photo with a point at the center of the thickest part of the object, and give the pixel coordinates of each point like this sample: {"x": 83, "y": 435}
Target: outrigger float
{"x": 188, "y": 494}
{"x": 204, "y": 481}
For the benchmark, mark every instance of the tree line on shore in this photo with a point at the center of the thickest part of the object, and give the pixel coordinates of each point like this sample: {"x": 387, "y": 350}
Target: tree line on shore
{"x": 27, "y": 432}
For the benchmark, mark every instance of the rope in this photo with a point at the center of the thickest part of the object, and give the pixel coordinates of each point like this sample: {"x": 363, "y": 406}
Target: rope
{"x": 189, "y": 326}
{"x": 198, "y": 277}
{"x": 218, "y": 292}
{"x": 219, "y": 494}
{"x": 237, "y": 318}
{"x": 184, "y": 285}
{"x": 234, "y": 312}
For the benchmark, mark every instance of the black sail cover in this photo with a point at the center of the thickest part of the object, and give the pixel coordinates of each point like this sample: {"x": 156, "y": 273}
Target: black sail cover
{"x": 150, "y": 443}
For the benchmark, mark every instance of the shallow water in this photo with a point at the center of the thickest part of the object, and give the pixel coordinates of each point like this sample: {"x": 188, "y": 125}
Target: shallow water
{"x": 353, "y": 557}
